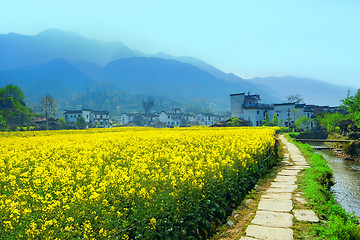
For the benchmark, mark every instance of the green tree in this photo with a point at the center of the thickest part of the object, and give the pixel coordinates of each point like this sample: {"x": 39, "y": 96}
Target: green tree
{"x": 275, "y": 120}
{"x": 13, "y": 110}
{"x": 80, "y": 123}
{"x": 352, "y": 105}
{"x": 330, "y": 120}
{"x": 294, "y": 98}
{"x": 62, "y": 123}
{"x": 303, "y": 123}
{"x": 235, "y": 121}
{"x": 3, "y": 124}
{"x": 267, "y": 120}
{"x": 14, "y": 92}
{"x": 48, "y": 107}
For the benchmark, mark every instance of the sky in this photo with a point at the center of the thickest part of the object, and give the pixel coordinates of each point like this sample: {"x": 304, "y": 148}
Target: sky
{"x": 254, "y": 38}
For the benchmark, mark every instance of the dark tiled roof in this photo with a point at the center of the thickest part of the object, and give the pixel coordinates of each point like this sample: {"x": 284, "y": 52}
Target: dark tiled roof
{"x": 101, "y": 112}
{"x": 237, "y": 94}
{"x": 72, "y": 111}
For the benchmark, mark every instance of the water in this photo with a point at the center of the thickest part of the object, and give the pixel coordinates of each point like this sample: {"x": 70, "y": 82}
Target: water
{"x": 347, "y": 179}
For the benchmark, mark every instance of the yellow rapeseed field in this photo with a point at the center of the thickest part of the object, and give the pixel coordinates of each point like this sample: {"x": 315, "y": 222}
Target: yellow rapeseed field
{"x": 126, "y": 183}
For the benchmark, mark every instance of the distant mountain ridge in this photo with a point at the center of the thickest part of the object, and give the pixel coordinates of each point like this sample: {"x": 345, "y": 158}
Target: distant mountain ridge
{"x": 19, "y": 51}
{"x": 313, "y": 91}
{"x": 65, "y": 64}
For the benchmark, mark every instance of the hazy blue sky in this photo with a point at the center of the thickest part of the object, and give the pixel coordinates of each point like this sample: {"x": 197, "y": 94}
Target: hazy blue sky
{"x": 307, "y": 38}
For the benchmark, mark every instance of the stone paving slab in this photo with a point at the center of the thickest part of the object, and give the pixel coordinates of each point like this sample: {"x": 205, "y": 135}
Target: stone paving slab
{"x": 297, "y": 167}
{"x": 306, "y": 215}
{"x": 285, "y": 179}
{"x": 248, "y": 238}
{"x": 269, "y": 233}
{"x": 276, "y": 196}
{"x": 283, "y": 184}
{"x": 301, "y": 200}
{"x": 288, "y": 172}
{"x": 288, "y": 189}
{"x": 275, "y": 205}
{"x": 303, "y": 164}
{"x": 273, "y": 219}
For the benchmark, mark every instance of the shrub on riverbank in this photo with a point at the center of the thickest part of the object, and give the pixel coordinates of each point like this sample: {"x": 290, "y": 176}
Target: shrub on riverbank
{"x": 315, "y": 183}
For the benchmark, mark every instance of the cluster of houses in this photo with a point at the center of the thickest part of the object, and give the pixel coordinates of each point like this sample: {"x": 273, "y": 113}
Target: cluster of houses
{"x": 243, "y": 106}
{"x": 92, "y": 118}
{"x": 248, "y": 108}
{"x": 176, "y": 118}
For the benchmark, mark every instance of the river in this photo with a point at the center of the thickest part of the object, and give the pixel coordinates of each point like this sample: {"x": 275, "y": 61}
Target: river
{"x": 347, "y": 179}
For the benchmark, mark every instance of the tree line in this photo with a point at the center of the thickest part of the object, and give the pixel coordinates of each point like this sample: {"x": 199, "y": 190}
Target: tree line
{"x": 14, "y": 115}
{"x": 346, "y": 122}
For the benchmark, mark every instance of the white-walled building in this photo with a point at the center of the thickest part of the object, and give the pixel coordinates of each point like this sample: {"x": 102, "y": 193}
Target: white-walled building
{"x": 126, "y": 118}
{"x": 71, "y": 116}
{"x": 176, "y": 118}
{"x": 170, "y": 119}
{"x": 100, "y": 117}
{"x": 92, "y": 118}
{"x": 206, "y": 119}
{"x": 247, "y": 107}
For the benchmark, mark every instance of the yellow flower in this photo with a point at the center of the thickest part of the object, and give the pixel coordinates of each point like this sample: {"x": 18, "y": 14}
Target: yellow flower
{"x": 106, "y": 174}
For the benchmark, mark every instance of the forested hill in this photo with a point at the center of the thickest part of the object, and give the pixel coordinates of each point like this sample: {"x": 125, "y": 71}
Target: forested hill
{"x": 66, "y": 65}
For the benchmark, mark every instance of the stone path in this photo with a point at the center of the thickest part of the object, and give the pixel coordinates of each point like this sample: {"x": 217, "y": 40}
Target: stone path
{"x": 274, "y": 217}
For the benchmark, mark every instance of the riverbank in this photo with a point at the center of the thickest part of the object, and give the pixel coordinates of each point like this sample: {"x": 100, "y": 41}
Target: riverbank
{"x": 312, "y": 193}
{"x": 347, "y": 151}
{"x": 316, "y": 181}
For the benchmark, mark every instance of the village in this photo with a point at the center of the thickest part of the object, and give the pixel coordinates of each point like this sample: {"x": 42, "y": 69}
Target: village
{"x": 247, "y": 108}
{"x": 244, "y": 106}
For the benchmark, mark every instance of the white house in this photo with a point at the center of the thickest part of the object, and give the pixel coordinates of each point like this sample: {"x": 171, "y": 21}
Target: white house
{"x": 206, "y": 119}
{"x": 150, "y": 119}
{"x": 91, "y": 117}
{"x": 247, "y": 107}
{"x": 170, "y": 119}
{"x": 101, "y": 118}
{"x": 176, "y": 118}
{"x": 71, "y": 116}
{"x": 126, "y": 118}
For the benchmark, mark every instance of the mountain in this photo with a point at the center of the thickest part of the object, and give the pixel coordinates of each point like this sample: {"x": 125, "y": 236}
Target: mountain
{"x": 181, "y": 81}
{"x": 66, "y": 64}
{"x": 20, "y": 51}
{"x": 200, "y": 64}
{"x": 313, "y": 91}
{"x": 88, "y": 68}
{"x": 58, "y": 78}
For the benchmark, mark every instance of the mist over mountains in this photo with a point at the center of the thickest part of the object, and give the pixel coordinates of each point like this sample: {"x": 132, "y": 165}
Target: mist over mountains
{"x": 69, "y": 67}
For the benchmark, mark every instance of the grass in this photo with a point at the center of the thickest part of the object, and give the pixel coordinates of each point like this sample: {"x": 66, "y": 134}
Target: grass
{"x": 335, "y": 223}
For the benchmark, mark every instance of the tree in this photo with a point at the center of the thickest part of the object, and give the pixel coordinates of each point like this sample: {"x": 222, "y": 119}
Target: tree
{"x": 48, "y": 107}
{"x": 62, "y": 123}
{"x": 235, "y": 121}
{"x": 275, "y": 120}
{"x": 13, "y": 111}
{"x": 303, "y": 123}
{"x": 80, "y": 123}
{"x": 148, "y": 105}
{"x": 13, "y": 92}
{"x": 330, "y": 120}
{"x": 352, "y": 105}
{"x": 294, "y": 98}
{"x": 266, "y": 119}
